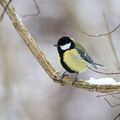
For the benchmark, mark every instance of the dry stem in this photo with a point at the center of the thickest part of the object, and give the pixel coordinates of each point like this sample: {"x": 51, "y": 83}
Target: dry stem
{"x": 111, "y": 43}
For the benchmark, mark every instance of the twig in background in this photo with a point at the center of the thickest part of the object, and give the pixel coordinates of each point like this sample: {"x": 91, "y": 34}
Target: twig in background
{"x": 105, "y": 73}
{"x": 108, "y": 94}
{"x": 110, "y": 103}
{"x": 110, "y": 41}
{"x": 115, "y": 97}
{"x": 118, "y": 116}
{"x": 1, "y": 17}
{"x": 37, "y": 8}
{"x": 104, "y": 34}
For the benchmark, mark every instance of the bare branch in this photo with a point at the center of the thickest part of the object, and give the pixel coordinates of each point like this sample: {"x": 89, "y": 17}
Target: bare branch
{"x": 37, "y": 13}
{"x": 111, "y": 104}
{"x": 113, "y": 95}
{"x": 118, "y": 116}
{"x": 108, "y": 94}
{"x": 40, "y": 57}
{"x": 110, "y": 41}
{"x": 105, "y": 73}
{"x": 103, "y": 34}
{"x": 1, "y": 17}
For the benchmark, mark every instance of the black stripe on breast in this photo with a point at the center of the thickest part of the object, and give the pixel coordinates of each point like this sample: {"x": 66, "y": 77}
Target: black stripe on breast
{"x": 61, "y": 52}
{"x": 66, "y": 67}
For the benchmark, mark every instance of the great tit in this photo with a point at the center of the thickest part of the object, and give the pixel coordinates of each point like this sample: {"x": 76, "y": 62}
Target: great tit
{"x": 73, "y": 56}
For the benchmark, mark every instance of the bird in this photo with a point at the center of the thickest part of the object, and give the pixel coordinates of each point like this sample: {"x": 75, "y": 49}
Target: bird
{"x": 73, "y": 57}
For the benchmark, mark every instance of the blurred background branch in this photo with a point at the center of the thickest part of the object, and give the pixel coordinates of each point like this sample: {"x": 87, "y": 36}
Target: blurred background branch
{"x": 37, "y": 8}
{"x": 110, "y": 41}
{"x": 5, "y": 8}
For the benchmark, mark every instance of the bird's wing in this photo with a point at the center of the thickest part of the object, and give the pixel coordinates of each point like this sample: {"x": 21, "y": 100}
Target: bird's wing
{"x": 84, "y": 55}
{"x": 80, "y": 48}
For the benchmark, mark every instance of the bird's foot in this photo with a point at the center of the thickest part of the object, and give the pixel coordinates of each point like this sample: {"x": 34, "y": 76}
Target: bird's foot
{"x": 61, "y": 79}
{"x": 76, "y": 79}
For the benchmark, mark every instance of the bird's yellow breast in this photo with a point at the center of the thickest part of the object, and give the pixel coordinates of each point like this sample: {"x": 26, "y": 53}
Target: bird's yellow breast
{"x": 74, "y": 61}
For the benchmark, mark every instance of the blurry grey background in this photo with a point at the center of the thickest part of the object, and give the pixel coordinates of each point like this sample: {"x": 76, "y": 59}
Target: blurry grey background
{"x": 26, "y": 91}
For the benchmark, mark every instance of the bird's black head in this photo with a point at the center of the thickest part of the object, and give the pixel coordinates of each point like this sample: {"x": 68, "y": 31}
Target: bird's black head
{"x": 65, "y": 43}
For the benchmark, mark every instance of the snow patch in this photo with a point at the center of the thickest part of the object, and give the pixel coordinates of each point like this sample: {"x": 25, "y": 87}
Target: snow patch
{"x": 103, "y": 81}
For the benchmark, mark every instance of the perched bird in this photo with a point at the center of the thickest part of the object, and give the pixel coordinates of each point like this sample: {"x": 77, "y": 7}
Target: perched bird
{"x": 73, "y": 57}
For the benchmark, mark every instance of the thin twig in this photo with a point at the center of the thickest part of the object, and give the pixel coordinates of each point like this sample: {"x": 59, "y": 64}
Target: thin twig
{"x": 117, "y": 116}
{"x": 111, "y": 104}
{"x": 112, "y": 95}
{"x": 108, "y": 94}
{"x": 105, "y": 73}
{"x": 37, "y": 13}
{"x": 1, "y": 17}
{"x": 115, "y": 97}
{"x": 103, "y": 34}
{"x": 40, "y": 57}
{"x": 110, "y": 40}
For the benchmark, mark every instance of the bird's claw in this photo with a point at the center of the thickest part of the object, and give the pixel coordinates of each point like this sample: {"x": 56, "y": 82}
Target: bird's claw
{"x": 61, "y": 79}
{"x": 74, "y": 81}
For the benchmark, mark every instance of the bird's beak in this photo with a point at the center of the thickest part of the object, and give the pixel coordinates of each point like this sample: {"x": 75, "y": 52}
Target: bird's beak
{"x": 55, "y": 45}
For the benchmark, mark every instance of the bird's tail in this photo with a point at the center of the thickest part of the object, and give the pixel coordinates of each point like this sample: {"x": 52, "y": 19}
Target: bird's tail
{"x": 96, "y": 65}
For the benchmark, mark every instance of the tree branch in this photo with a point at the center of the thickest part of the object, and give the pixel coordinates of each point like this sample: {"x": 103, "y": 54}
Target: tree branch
{"x": 40, "y": 57}
{"x": 111, "y": 42}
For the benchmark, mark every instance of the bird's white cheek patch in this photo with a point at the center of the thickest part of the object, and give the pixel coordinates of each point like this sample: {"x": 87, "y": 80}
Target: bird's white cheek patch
{"x": 65, "y": 47}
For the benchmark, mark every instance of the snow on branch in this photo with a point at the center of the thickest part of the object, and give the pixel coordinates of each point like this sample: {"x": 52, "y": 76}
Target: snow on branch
{"x": 103, "y": 81}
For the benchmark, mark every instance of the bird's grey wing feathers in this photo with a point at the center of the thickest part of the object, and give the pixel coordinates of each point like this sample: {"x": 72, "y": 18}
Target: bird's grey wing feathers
{"x": 87, "y": 58}
{"x": 85, "y": 55}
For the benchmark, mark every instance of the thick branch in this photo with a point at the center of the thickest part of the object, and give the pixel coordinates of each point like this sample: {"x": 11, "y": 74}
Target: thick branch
{"x": 40, "y": 57}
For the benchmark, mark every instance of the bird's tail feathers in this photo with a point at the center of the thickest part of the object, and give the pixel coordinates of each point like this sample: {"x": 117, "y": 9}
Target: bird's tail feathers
{"x": 96, "y": 65}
